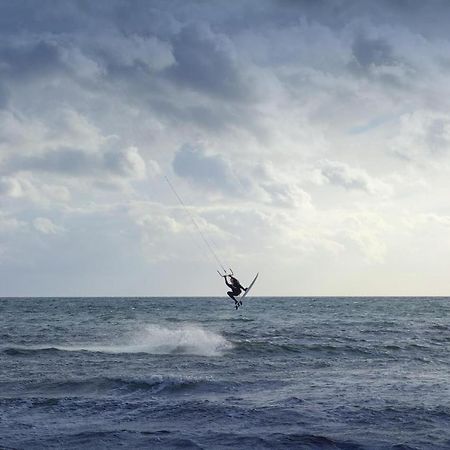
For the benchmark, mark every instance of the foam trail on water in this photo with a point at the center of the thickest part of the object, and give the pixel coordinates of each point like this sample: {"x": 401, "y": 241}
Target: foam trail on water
{"x": 159, "y": 340}
{"x": 186, "y": 339}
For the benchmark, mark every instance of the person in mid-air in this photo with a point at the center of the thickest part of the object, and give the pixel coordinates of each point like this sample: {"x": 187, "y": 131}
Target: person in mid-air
{"x": 236, "y": 289}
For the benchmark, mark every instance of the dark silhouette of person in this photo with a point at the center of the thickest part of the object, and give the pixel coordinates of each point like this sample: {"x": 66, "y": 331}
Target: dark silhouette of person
{"x": 236, "y": 289}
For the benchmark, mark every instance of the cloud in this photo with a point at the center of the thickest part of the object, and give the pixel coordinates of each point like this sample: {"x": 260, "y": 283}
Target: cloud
{"x": 286, "y": 195}
{"x": 4, "y": 96}
{"x": 79, "y": 163}
{"x": 280, "y": 187}
{"x": 128, "y": 163}
{"x": 38, "y": 132}
{"x": 425, "y": 223}
{"x": 206, "y": 170}
{"x": 96, "y": 98}
{"x": 368, "y": 230}
{"x": 46, "y": 226}
{"x": 10, "y": 186}
{"x": 118, "y": 52}
{"x": 207, "y": 62}
{"x": 423, "y": 136}
{"x": 64, "y": 161}
{"x": 212, "y": 172}
{"x": 25, "y": 60}
{"x": 370, "y": 52}
{"x": 10, "y": 224}
{"x": 24, "y": 188}
{"x": 352, "y": 178}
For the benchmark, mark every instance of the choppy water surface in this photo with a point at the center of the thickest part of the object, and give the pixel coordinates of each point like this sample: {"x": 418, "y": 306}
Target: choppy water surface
{"x": 322, "y": 373}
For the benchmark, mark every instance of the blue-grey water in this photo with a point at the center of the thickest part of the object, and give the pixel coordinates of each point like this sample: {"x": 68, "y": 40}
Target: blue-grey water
{"x": 135, "y": 373}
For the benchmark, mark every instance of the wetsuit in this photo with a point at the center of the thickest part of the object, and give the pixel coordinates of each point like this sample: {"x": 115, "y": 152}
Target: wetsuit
{"x": 236, "y": 289}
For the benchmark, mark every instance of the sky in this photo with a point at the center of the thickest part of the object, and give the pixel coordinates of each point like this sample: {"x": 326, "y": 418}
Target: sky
{"x": 309, "y": 140}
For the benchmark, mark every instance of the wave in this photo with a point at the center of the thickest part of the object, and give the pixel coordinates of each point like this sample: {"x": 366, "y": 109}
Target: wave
{"x": 357, "y": 348}
{"x": 270, "y": 347}
{"x": 151, "y": 339}
{"x": 106, "y": 385}
{"x": 25, "y": 351}
{"x": 276, "y": 440}
{"x": 45, "y": 392}
{"x": 310, "y": 441}
{"x": 196, "y": 341}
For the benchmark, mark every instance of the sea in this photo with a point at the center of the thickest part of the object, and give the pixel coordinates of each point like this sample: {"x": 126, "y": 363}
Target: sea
{"x": 303, "y": 373}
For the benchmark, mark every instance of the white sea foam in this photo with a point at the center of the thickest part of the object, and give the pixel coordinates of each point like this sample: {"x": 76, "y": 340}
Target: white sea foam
{"x": 160, "y": 340}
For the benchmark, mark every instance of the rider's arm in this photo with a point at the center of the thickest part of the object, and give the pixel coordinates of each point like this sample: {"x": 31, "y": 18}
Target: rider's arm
{"x": 226, "y": 282}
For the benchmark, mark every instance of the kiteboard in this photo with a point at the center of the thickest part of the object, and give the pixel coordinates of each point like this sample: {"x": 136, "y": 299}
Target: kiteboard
{"x": 249, "y": 287}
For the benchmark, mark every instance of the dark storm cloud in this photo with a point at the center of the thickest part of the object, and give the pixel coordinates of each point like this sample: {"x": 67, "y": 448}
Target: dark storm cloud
{"x": 148, "y": 53}
{"x": 127, "y": 54}
{"x": 370, "y": 52}
{"x": 427, "y": 18}
{"x": 53, "y": 16}
{"x": 210, "y": 117}
{"x": 376, "y": 59}
{"x": 4, "y": 96}
{"x": 164, "y": 17}
{"x": 35, "y": 59}
{"x": 207, "y": 62}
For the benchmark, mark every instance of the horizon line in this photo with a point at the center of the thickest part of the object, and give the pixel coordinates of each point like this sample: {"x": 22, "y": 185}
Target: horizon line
{"x": 214, "y": 296}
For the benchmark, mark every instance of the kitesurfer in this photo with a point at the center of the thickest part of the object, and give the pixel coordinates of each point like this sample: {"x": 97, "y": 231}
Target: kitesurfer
{"x": 236, "y": 289}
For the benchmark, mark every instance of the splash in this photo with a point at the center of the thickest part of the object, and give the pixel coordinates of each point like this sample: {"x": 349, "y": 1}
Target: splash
{"x": 159, "y": 340}
{"x": 186, "y": 339}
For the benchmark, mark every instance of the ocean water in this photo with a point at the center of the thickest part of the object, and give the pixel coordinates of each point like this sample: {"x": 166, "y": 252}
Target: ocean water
{"x": 326, "y": 373}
